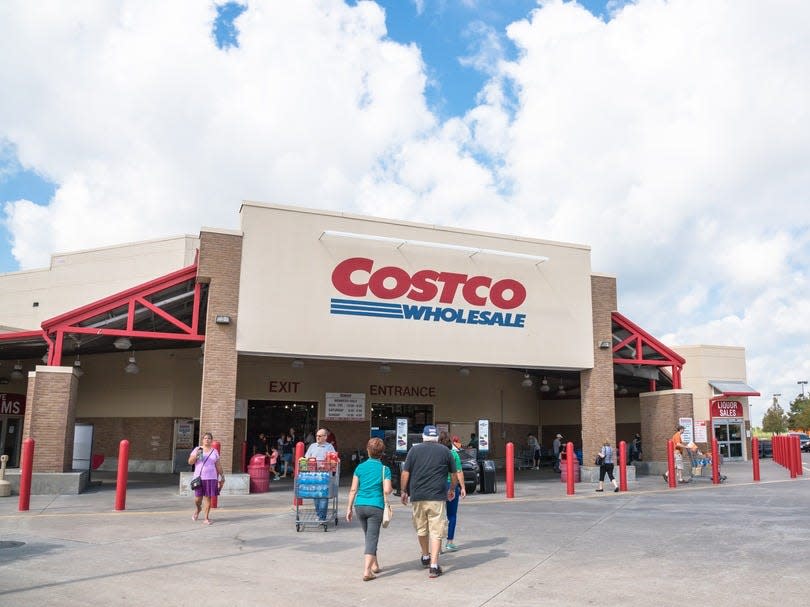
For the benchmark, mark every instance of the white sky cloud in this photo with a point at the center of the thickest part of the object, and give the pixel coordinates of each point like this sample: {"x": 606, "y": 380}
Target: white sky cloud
{"x": 673, "y": 138}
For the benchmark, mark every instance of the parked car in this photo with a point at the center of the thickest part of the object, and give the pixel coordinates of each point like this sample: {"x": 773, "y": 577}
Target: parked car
{"x": 804, "y": 440}
{"x": 765, "y": 448}
{"x": 394, "y": 460}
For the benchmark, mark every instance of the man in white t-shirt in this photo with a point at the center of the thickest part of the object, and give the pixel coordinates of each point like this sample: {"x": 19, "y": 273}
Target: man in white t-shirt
{"x": 318, "y": 450}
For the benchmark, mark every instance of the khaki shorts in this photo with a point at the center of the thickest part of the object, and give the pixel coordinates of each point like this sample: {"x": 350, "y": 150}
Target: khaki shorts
{"x": 430, "y": 518}
{"x": 678, "y": 460}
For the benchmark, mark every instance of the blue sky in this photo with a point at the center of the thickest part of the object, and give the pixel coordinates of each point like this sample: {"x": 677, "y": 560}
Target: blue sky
{"x": 679, "y": 153}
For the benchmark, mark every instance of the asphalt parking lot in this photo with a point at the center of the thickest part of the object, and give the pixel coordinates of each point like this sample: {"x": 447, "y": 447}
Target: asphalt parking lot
{"x": 736, "y": 543}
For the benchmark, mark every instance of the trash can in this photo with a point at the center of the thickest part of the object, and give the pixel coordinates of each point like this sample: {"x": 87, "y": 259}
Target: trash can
{"x": 488, "y": 484}
{"x": 259, "y": 474}
{"x": 564, "y": 469}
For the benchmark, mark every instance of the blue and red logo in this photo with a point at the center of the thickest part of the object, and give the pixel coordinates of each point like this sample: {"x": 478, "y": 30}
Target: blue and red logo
{"x": 356, "y": 277}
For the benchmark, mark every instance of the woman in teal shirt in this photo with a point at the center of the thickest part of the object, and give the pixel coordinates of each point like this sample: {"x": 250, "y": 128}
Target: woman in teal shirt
{"x": 370, "y": 480}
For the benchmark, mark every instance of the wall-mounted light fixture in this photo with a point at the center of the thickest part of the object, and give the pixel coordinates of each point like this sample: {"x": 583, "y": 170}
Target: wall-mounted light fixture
{"x": 297, "y": 363}
{"x": 385, "y": 368}
{"x": 222, "y": 319}
{"x": 604, "y": 344}
{"x": 544, "y": 387}
{"x": 464, "y": 371}
{"x": 561, "y": 389}
{"x": 77, "y": 367}
{"x": 527, "y": 381}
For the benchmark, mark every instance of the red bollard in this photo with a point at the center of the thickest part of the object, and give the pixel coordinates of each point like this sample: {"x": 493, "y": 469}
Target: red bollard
{"x": 755, "y": 457}
{"x": 569, "y": 467}
{"x": 671, "y": 464}
{"x": 715, "y": 462}
{"x": 622, "y": 466}
{"x": 123, "y": 473}
{"x": 216, "y": 445}
{"x": 26, "y": 472}
{"x": 794, "y": 456}
{"x": 799, "y": 469}
{"x": 510, "y": 470}
{"x": 299, "y": 453}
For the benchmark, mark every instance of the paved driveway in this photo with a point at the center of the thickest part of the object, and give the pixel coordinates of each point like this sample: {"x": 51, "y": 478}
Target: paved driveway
{"x": 736, "y": 543}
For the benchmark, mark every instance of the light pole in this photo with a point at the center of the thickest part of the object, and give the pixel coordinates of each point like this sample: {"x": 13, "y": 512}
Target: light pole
{"x": 802, "y": 383}
{"x": 776, "y": 396}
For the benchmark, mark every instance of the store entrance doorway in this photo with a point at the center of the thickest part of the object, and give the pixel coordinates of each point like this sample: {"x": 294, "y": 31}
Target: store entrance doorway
{"x": 10, "y": 436}
{"x": 729, "y": 435}
{"x": 274, "y": 417}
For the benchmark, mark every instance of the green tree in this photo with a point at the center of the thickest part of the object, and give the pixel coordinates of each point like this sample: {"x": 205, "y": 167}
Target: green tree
{"x": 799, "y": 416}
{"x": 775, "y": 419}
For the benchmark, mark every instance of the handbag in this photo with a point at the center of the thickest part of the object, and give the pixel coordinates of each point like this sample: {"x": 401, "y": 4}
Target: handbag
{"x": 196, "y": 482}
{"x": 388, "y": 512}
{"x": 599, "y": 460}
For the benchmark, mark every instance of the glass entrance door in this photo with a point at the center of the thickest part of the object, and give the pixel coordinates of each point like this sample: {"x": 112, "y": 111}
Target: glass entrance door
{"x": 10, "y": 433}
{"x": 729, "y": 435}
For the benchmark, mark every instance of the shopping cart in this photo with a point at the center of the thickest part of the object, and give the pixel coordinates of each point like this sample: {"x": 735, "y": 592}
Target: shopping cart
{"x": 524, "y": 460}
{"x": 701, "y": 465}
{"x": 317, "y": 493}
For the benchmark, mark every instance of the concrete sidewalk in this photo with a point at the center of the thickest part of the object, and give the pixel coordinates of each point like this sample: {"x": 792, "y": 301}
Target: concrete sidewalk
{"x": 717, "y": 545}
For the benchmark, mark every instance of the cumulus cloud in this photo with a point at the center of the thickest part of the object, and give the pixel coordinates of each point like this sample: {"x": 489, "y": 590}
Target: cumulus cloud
{"x": 672, "y": 137}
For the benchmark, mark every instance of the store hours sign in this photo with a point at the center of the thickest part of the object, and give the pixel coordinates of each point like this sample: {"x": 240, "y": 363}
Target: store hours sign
{"x": 345, "y": 406}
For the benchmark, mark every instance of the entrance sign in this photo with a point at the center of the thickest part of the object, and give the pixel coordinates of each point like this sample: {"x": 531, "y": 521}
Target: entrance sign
{"x": 348, "y": 407}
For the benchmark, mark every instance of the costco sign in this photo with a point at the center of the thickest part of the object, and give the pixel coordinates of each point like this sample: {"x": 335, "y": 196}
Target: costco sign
{"x": 357, "y": 277}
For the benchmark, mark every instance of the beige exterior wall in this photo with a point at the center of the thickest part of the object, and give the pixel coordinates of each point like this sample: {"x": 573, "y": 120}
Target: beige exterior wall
{"x": 168, "y": 385}
{"x": 286, "y": 288}
{"x": 77, "y": 279}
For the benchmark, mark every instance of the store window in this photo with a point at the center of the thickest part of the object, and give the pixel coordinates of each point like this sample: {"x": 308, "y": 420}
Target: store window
{"x": 384, "y": 417}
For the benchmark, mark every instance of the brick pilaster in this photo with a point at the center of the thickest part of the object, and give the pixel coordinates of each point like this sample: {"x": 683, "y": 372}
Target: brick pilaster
{"x": 219, "y": 266}
{"x": 50, "y": 417}
{"x": 659, "y": 418}
{"x": 598, "y": 402}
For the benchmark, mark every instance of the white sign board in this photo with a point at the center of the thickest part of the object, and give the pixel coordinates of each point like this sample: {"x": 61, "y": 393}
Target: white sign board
{"x": 483, "y": 436}
{"x": 700, "y": 431}
{"x": 688, "y": 430}
{"x": 402, "y": 434}
{"x": 342, "y": 406}
{"x": 185, "y": 435}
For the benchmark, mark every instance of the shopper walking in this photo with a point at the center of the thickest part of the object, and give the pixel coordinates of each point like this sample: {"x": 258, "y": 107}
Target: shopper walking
{"x": 460, "y": 492}
{"x": 371, "y": 482}
{"x": 605, "y": 459}
{"x": 424, "y": 482}
{"x": 205, "y": 460}
{"x": 557, "y": 446}
{"x": 677, "y": 441}
{"x": 534, "y": 449}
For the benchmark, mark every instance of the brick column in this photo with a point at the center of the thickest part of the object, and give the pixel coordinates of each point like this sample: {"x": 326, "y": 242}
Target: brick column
{"x": 50, "y": 417}
{"x": 219, "y": 266}
{"x": 659, "y": 418}
{"x": 598, "y": 402}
